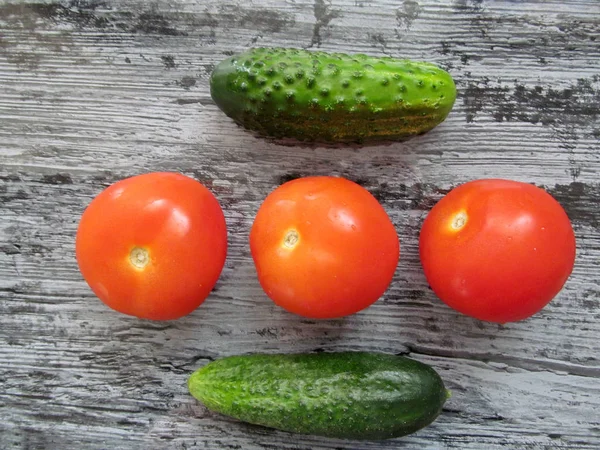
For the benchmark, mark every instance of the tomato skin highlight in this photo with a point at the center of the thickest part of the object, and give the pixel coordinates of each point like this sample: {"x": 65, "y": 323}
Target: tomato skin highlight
{"x": 323, "y": 247}
{"x": 497, "y": 250}
{"x": 153, "y": 245}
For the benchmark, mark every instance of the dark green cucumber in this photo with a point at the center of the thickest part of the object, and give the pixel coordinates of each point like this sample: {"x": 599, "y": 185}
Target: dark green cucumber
{"x": 348, "y": 395}
{"x": 331, "y": 97}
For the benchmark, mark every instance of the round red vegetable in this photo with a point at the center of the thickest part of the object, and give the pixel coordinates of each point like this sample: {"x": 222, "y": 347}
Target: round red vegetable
{"x": 153, "y": 246}
{"x": 323, "y": 247}
{"x": 497, "y": 250}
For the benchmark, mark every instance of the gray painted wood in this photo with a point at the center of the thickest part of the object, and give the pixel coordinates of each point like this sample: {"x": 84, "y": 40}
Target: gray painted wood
{"x": 95, "y": 91}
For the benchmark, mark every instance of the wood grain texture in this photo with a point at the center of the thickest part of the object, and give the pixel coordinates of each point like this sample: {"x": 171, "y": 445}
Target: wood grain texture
{"x": 94, "y": 91}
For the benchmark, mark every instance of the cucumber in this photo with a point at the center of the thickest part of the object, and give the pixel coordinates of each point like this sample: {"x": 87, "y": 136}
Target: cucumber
{"x": 331, "y": 97}
{"x": 347, "y": 395}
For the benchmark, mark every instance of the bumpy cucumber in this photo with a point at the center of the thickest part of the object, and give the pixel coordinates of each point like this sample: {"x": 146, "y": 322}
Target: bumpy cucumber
{"x": 348, "y": 395}
{"x": 331, "y": 97}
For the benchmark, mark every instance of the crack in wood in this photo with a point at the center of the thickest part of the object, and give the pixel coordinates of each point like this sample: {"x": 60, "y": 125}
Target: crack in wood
{"x": 534, "y": 365}
{"x": 324, "y": 14}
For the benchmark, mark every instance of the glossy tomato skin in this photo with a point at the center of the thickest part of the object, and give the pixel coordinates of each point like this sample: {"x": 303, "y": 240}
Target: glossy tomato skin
{"x": 152, "y": 246}
{"x": 323, "y": 247}
{"x": 497, "y": 250}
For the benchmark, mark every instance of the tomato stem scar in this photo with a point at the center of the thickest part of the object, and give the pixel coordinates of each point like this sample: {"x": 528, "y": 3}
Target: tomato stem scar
{"x": 139, "y": 257}
{"x": 291, "y": 239}
{"x": 459, "y": 220}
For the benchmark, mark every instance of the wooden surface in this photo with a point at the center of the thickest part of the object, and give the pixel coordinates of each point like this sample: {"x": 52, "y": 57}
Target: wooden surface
{"x": 93, "y": 91}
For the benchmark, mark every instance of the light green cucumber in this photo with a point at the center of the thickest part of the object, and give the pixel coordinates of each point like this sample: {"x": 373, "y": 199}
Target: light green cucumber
{"x": 331, "y": 97}
{"x": 348, "y": 395}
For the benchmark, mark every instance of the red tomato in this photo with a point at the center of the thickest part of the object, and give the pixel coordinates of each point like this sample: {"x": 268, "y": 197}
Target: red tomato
{"x": 152, "y": 246}
{"x": 323, "y": 247}
{"x": 497, "y": 250}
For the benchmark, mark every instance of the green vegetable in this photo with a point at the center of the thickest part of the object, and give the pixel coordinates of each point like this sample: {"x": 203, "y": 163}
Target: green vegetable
{"x": 331, "y": 97}
{"x": 352, "y": 395}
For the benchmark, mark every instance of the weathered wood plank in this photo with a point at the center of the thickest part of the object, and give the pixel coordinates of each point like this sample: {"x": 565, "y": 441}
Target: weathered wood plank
{"x": 95, "y": 91}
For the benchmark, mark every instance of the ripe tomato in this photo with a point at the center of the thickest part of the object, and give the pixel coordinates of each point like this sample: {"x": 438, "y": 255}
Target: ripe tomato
{"x": 497, "y": 250}
{"x": 152, "y": 246}
{"x": 323, "y": 247}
